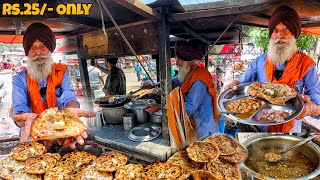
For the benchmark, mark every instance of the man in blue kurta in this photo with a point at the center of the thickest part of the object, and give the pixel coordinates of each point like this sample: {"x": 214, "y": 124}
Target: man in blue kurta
{"x": 197, "y": 89}
{"x": 43, "y": 84}
{"x": 285, "y": 65}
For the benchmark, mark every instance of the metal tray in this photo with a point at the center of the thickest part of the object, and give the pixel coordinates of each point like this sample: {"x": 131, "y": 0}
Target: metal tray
{"x": 111, "y": 101}
{"x": 294, "y": 106}
{"x": 144, "y": 132}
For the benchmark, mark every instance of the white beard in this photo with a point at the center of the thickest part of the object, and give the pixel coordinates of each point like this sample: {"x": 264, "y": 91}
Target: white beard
{"x": 40, "y": 70}
{"x": 183, "y": 72}
{"x": 280, "y": 53}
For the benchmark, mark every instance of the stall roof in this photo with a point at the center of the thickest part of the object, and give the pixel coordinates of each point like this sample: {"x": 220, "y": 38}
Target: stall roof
{"x": 202, "y": 19}
{"x": 210, "y": 18}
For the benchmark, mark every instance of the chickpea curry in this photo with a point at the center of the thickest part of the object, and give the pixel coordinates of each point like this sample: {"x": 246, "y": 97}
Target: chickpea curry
{"x": 292, "y": 165}
{"x": 246, "y": 106}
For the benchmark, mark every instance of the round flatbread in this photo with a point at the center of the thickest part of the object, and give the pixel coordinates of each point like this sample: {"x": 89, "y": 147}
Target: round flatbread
{"x": 111, "y": 162}
{"x": 78, "y": 172}
{"x": 55, "y": 155}
{"x": 240, "y": 155}
{"x": 92, "y": 173}
{"x": 198, "y": 175}
{"x": 40, "y": 164}
{"x": 186, "y": 164}
{"x": 130, "y": 172}
{"x": 203, "y": 151}
{"x": 225, "y": 143}
{"x": 21, "y": 174}
{"x": 58, "y": 173}
{"x": 223, "y": 170}
{"x": 28, "y": 149}
{"x": 8, "y": 165}
{"x": 76, "y": 159}
{"x": 53, "y": 124}
{"x": 161, "y": 170}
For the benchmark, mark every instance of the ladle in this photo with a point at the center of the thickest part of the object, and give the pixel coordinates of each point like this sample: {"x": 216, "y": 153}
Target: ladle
{"x": 274, "y": 157}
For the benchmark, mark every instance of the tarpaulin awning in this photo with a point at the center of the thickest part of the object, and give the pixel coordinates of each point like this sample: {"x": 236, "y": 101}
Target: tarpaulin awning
{"x": 226, "y": 49}
{"x": 16, "y": 39}
{"x": 69, "y": 48}
{"x": 312, "y": 31}
{"x": 72, "y": 61}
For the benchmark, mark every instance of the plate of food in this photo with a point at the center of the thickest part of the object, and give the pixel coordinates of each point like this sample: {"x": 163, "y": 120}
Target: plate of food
{"x": 259, "y": 103}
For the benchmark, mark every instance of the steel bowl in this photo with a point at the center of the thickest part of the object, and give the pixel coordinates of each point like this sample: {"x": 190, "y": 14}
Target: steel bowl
{"x": 255, "y": 144}
{"x": 114, "y": 115}
{"x": 137, "y": 107}
{"x": 156, "y": 117}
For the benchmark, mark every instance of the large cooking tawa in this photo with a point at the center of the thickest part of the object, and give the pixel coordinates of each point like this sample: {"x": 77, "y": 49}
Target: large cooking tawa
{"x": 294, "y": 106}
{"x": 144, "y": 132}
{"x": 111, "y": 101}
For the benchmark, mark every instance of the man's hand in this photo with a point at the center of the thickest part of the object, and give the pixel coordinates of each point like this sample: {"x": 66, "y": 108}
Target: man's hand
{"x": 309, "y": 109}
{"x": 147, "y": 85}
{"x": 25, "y": 119}
{"x": 153, "y": 108}
{"x": 21, "y": 119}
{"x": 80, "y": 139}
{"x": 232, "y": 85}
{"x": 317, "y": 139}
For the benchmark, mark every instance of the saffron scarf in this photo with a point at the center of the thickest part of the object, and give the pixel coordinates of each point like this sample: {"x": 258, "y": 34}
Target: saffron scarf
{"x": 54, "y": 80}
{"x": 296, "y": 68}
{"x": 181, "y": 130}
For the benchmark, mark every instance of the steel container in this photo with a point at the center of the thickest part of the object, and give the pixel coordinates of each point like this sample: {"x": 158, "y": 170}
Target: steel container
{"x": 253, "y": 145}
{"x": 114, "y": 115}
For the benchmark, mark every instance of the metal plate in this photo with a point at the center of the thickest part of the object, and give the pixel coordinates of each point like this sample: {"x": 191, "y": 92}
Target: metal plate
{"x": 145, "y": 132}
{"x": 139, "y": 104}
{"x": 294, "y": 106}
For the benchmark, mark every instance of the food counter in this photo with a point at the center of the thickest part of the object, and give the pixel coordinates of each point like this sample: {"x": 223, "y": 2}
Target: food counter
{"x": 113, "y": 137}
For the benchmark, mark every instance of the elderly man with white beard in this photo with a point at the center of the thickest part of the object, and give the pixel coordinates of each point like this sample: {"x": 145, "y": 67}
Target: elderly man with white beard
{"x": 197, "y": 89}
{"x": 284, "y": 64}
{"x": 44, "y": 84}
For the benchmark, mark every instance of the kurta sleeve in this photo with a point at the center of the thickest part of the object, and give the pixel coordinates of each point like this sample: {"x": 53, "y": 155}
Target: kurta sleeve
{"x": 312, "y": 85}
{"x": 67, "y": 91}
{"x": 20, "y": 97}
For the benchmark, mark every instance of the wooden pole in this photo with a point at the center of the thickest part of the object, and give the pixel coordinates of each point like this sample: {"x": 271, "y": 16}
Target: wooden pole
{"x": 84, "y": 74}
{"x": 164, "y": 67}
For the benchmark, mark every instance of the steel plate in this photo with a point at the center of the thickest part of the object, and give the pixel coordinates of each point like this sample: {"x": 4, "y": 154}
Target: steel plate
{"x": 144, "y": 132}
{"x": 294, "y": 106}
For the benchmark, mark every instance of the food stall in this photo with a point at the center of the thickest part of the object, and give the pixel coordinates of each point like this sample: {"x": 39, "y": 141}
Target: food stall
{"x": 148, "y": 31}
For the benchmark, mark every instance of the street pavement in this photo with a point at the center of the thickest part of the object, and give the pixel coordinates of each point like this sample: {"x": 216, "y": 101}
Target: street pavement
{"x": 6, "y": 76}
{"x": 6, "y": 124}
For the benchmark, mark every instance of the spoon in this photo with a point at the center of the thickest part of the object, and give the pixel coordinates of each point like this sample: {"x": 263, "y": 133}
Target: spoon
{"x": 274, "y": 157}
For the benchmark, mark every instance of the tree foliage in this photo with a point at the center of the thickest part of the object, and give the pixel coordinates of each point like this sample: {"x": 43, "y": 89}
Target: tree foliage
{"x": 261, "y": 38}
